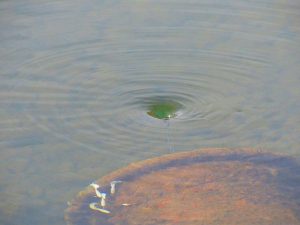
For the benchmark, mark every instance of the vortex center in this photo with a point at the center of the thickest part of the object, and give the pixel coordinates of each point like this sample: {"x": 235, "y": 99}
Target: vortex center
{"x": 163, "y": 110}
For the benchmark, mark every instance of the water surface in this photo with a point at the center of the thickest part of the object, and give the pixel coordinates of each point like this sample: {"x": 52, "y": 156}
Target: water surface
{"x": 76, "y": 77}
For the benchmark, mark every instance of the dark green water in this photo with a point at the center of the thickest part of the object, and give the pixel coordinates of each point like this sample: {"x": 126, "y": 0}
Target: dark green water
{"x": 163, "y": 108}
{"x": 76, "y": 78}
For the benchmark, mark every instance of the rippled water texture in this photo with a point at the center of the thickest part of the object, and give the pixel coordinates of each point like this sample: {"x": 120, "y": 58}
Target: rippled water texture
{"x": 76, "y": 77}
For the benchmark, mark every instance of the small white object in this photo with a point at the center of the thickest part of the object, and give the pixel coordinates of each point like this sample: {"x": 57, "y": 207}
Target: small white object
{"x": 96, "y": 186}
{"x": 93, "y": 206}
{"x": 126, "y": 204}
{"x": 102, "y": 202}
{"x": 103, "y": 195}
{"x": 113, "y": 186}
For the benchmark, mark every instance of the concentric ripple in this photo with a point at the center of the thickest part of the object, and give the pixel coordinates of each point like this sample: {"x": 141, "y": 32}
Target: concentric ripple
{"x": 218, "y": 64}
{"x": 77, "y": 79}
{"x": 98, "y": 106}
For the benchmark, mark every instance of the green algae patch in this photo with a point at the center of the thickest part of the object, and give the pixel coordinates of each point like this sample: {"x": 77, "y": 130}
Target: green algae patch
{"x": 163, "y": 110}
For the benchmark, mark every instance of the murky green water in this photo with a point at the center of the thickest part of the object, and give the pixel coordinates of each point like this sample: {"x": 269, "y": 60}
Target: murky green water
{"x": 75, "y": 77}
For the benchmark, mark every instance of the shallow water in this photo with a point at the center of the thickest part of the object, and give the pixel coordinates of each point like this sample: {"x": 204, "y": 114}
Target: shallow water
{"x": 226, "y": 187}
{"x": 76, "y": 77}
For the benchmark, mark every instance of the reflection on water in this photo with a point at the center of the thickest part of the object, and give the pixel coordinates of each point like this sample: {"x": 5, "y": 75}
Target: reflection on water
{"x": 74, "y": 77}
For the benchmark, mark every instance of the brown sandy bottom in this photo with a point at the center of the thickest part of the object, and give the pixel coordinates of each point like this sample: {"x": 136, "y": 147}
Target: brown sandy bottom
{"x": 208, "y": 186}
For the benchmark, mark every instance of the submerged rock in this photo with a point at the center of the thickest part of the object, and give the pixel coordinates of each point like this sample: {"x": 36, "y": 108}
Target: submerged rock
{"x": 211, "y": 186}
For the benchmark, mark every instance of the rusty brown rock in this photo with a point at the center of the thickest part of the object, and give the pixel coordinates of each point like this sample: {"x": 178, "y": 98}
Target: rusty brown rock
{"x": 208, "y": 186}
